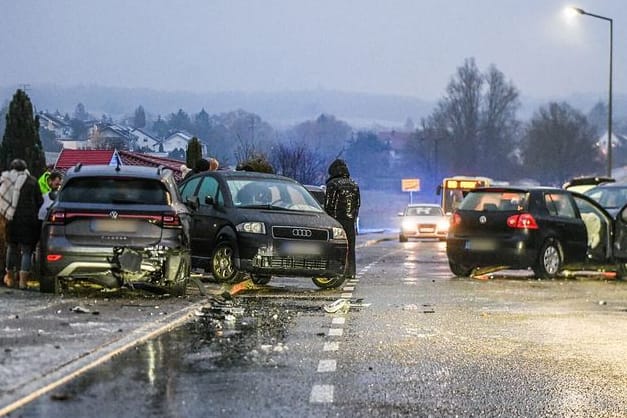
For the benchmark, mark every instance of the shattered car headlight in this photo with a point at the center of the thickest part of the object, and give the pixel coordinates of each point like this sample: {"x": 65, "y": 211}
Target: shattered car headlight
{"x": 251, "y": 227}
{"x": 338, "y": 233}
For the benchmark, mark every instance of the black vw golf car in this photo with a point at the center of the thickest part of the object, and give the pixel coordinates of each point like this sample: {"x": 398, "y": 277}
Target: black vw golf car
{"x": 546, "y": 229}
{"x": 264, "y": 225}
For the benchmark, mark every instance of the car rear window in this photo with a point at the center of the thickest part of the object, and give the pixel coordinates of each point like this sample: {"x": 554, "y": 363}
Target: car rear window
{"x": 114, "y": 191}
{"x": 501, "y": 201}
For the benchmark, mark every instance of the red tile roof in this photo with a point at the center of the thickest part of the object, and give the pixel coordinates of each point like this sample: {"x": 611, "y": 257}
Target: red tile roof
{"x": 69, "y": 158}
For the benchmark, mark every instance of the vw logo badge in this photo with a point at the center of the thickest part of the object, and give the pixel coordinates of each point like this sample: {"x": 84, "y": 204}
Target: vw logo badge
{"x": 113, "y": 214}
{"x": 301, "y": 232}
{"x": 482, "y": 219}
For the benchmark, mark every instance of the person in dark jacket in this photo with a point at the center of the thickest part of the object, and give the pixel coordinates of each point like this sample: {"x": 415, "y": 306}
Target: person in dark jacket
{"x": 342, "y": 202}
{"x": 20, "y": 200}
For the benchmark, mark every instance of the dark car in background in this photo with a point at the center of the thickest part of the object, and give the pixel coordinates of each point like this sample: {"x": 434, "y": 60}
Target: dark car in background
{"x": 117, "y": 226}
{"x": 545, "y": 229}
{"x": 263, "y": 225}
{"x": 612, "y": 196}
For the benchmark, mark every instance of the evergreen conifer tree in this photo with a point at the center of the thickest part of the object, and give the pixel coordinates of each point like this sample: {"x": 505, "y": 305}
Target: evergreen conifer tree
{"x": 194, "y": 152}
{"x": 21, "y": 136}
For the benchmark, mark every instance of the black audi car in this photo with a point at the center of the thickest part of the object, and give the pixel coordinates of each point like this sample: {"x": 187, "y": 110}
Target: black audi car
{"x": 545, "y": 229}
{"x": 264, "y": 225}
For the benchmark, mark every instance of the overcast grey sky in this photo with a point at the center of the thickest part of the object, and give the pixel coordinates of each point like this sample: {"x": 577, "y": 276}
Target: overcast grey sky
{"x": 406, "y": 47}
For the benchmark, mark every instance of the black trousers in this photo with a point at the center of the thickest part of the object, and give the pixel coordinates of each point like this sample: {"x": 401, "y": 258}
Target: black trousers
{"x": 349, "y": 228}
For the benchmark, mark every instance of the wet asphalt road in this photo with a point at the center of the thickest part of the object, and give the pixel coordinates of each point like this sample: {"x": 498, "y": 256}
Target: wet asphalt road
{"x": 415, "y": 342}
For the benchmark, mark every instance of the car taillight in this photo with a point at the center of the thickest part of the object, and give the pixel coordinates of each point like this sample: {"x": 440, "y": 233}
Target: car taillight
{"x": 171, "y": 220}
{"x": 522, "y": 221}
{"x": 56, "y": 217}
{"x": 456, "y": 220}
{"x": 53, "y": 257}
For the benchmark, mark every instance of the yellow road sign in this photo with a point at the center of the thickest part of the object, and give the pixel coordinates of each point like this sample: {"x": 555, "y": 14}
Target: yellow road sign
{"x": 410, "y": 185}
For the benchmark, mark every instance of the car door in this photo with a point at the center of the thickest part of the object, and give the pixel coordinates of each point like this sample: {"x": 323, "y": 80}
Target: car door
{"x": 599, "y": 228}
{"x": 208, "y": 219}
{"x": 567, "y": 224}
{"x": 620, "y": 235}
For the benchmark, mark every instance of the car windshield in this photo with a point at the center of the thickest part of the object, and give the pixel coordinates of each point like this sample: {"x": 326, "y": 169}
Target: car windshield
{"x": 609, "y": 197}
{"x": 116, "y": 190}
{"x": 271, "y": 193}
{"x": 494, "y": 201}
{"x": 424, "y": 211}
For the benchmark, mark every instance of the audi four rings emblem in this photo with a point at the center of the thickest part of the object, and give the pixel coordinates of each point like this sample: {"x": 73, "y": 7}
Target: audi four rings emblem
{"x": 113, "y": 214}
{"x": 482, "y": 219}
{"x": 301, "y": 233}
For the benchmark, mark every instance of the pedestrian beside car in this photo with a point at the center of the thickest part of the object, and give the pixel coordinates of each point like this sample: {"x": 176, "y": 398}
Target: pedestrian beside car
{"x": 342, "y": 202}
{"x": 20, "y": 200}
{"x": 53, "y": 182}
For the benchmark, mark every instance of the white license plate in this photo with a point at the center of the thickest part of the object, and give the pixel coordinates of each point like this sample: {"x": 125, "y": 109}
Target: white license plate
{"x": 302, "y": 248}
{"x": 426, "y": 230}
{"x": 113, "y": 225}
{"x": 480, "y": 245}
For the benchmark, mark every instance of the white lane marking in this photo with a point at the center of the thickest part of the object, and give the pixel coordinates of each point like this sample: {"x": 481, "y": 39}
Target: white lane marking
{"x": 321, "y": 394}
{"x": 331, "y": 346}
{"x": 100, "y": 355}
{"x": 338, "y": 320}
{"x": 325, "y": 366}
{"x": 336, "y": 332}
{"x": 346, "y": 295}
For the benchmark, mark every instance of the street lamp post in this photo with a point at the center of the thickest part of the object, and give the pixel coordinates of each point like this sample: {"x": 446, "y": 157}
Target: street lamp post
{"x": 609, "y": 105}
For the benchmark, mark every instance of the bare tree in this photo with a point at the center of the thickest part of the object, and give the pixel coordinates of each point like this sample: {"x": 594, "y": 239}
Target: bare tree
{"x": 473, "y": 124}
{"x": 560, "y": 143}
{"x": 298, "y": 161}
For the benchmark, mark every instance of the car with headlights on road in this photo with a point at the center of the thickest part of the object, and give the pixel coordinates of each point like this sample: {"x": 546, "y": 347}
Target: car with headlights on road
{"x": 423, "y": 220}
{"x": 547, "y": 230}
{"x": 262, "y": 225}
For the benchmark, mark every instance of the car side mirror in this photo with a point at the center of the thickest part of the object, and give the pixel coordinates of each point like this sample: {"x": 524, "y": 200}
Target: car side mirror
{"x": 193, "y": 202}
{"x": 209, "y": 200}
{"x": 53, "y": 194}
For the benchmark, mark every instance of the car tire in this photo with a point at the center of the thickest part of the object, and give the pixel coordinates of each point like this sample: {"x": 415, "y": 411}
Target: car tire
{"x": 261, "y": 278}
{"x": 402, "y": 238}
{"x": 549, "y": 261}
{"x": 460, "y": 270}
{"x": 223, "y": 262}
{"x": 328, "y": 283}
{"x": 49, "y": 284}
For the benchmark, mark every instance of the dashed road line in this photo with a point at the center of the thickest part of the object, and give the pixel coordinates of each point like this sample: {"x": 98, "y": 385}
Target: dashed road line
{"x": 326, "y": 366}
{"x": 321, "y": 394}
{"x": 325, "y": 393}
{"x": 336, "y": 332}
{"x": 331, "y": 346}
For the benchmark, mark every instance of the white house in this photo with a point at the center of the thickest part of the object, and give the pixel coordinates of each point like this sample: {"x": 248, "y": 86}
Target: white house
{"x": 55, "y": 123}
{"x": 145, "y": 140}
{"x": 177, "y": 140}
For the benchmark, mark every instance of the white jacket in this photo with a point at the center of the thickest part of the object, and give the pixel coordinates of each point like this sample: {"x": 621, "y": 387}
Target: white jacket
{"x": 11, "y": 183}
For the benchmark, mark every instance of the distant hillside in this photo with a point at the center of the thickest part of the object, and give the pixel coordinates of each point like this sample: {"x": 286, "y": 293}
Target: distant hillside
{"x": 280, "y": 109}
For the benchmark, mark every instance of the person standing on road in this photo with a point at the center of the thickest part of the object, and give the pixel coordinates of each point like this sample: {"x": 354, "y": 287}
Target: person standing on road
{"x": 20, "y": 200}
{"x": 342, "y": 202}
{"x": 53, "y": 181}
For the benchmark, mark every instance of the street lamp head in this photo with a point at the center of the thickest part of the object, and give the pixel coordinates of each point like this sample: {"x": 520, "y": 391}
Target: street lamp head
{"x": 578, "y": 10}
